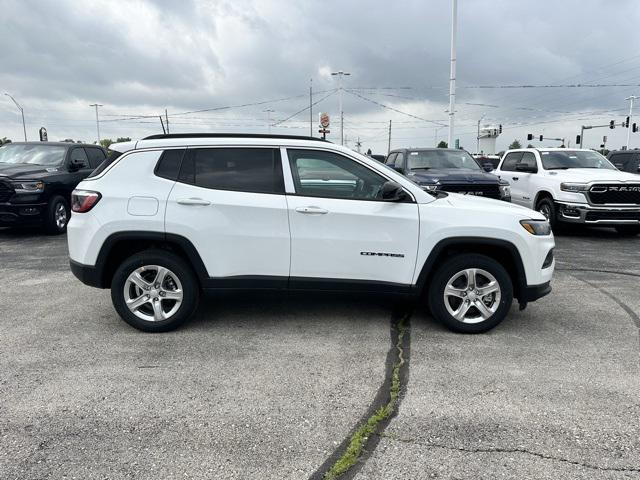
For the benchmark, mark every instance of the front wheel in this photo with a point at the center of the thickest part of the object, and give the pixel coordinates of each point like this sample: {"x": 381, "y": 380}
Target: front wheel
{"x": 154, "y": 291}
{"x": 470, "y": 293}
{"x": 58, "y": 215}
{"x": 547, "y": 208}
{"x": 628, "y": 230}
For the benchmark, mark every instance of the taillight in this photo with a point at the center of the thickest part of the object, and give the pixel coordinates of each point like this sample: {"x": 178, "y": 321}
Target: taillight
{"x": 84, "y": 200}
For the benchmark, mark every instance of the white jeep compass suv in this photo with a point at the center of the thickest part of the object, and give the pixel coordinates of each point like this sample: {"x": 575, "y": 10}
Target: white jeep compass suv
{"x": 172, "y": 215}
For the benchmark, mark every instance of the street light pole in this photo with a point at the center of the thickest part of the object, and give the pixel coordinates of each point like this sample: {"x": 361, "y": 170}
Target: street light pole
{"x": 631, "y": 99}
{"x": 340, "y": 74}
{"x": 478, "y": 137}
{"x": 452, "y": 77}
{"x": 269, "y": 111}
{"x": 24, "y": 128}
{"x": 96, "y": 105}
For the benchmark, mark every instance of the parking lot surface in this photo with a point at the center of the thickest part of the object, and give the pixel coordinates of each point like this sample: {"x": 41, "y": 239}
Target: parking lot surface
{"x": 264, "y": 386}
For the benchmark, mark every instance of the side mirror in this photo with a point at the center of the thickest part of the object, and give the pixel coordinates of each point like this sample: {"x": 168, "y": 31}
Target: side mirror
{"x": 487, "y": 167}
{"x": 523, "y": 167}
{"x": 392, "y": 192}
{"x": 398, "y": 169}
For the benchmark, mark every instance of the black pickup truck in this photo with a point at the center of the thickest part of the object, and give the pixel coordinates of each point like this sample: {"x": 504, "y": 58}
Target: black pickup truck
{"x": 447, "y": 169}
{"x": 37, "y": 178}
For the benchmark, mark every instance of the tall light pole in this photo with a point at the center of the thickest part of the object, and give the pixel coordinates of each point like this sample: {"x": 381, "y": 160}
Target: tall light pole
{"x": 269, "y": 111}
{"x": 24, "y": 128}
{"x": 340, "y": 74}
{"x": 97, "y": 119}
{"x": 478, "y": 137}
{"x": 452, "y": 77}
{"x": 631, "y": 99}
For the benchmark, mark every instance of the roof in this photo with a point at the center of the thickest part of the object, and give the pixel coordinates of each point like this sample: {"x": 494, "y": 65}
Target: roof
{"x": 58, "y": 144}
{"x": 229, "y": 135}
{"x": 426, "y": 149}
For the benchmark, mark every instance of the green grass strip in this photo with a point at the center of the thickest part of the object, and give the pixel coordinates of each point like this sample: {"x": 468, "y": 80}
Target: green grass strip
{"x": 357, "y": 442}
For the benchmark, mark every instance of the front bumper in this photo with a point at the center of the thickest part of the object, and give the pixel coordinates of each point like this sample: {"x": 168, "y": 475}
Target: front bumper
{"x": 597, "y": 215}
{"x": 20, "y": 214}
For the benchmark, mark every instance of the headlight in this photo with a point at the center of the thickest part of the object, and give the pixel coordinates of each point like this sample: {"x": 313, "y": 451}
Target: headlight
{"x": 429, "y": 188}
{"x": 573, "y": 187}
{"x": 505, "y": 190}
{"x": 536, "y": 227}
{"x": 28, "y": 187}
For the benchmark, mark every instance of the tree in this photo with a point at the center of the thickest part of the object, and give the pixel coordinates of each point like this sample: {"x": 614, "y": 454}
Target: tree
{"x": 123, "y": 139}
{"x": 105, "y": 142}
{"x": 515, "y": 144}
{"x": 4, "y": 140}
{"x": 530, "y": 146}
{"x": 443, "y": 144}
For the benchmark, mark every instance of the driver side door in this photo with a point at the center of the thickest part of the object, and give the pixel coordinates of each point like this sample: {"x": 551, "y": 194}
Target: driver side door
{"x": 342, "y": 234}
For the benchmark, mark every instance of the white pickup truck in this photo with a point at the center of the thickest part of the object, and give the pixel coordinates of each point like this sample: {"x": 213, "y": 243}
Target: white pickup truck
{"x": 576, "y": 186}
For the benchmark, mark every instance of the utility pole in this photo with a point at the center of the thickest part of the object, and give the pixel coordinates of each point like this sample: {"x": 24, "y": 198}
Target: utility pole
{"x": 24, "y": 128}
{"x": 358, "y": 145}
{"x": 96, "y": 105}
{"x": 631, "y": 99}
{"x": 311, "y": 107}
{"x": 452, "y": 77}
{"x": 389, "y": 144}
{"x": 340, "y": 74}
{"x": 478, "y": 137}
{"x": 269, "y": 111}
{"x": 166, "y": 119}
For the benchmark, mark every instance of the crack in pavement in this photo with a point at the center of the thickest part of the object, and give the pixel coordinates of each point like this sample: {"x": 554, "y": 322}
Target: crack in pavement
{"x": 349, "y": 457}
{"x": 524, "y": 451}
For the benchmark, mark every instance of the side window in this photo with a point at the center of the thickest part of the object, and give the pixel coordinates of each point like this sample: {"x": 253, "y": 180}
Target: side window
{"x": 169, "y": 164}
{"x": 620, "y": 160}
{"x": 325, "y": 174}
{"x": 399, "y": 159}
{"x": 96, "y": 156}
{"x": 79, "y": 158}
{"x": 257, "y": 170}
{"x": 529, "y": 159}
{"x": 510, "y": 161}
{"x": 391, "y": 159}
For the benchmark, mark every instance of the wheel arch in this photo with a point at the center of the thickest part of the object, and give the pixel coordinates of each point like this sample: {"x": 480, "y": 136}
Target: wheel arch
{"x": 542, "y": 194}
{"x": 119, "y": 246}
{"x": 502, "y": 251}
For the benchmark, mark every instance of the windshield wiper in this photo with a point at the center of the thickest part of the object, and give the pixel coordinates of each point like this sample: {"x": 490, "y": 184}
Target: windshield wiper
{"x": 421, "y": 168}
{"x": 560, "y": 168}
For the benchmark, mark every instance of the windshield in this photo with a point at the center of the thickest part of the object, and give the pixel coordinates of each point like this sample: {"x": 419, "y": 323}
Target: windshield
{"x": 557, "y": 160}
{"x": 438, "y": 159}
{"x": 47, "y": 155}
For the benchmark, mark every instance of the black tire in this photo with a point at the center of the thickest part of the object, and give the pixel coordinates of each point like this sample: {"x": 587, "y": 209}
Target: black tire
{"x": 52, "y": 224}
{"x": 449, "y": 270}
{"x": 177, "y": 268}
{"x": 628, "y": 230}
{"x": 546, "y": 207}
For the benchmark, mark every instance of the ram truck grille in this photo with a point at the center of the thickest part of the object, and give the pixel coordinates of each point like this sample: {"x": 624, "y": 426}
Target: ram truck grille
{"x": 615, "y": 194}
{"x": 6, "y": 191}
{"x": 482, "y": 190}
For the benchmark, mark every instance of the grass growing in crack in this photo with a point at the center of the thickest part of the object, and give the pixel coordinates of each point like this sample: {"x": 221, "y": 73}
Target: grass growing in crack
{"x": 362, "y": 434}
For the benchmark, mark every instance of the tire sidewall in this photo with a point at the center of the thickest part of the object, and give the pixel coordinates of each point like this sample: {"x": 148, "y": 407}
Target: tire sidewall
{"x": 455, "y": 265}
{"x": 50, "y": 221}
{"x": 553, "y": 216}
{"x": 174, "y": 263}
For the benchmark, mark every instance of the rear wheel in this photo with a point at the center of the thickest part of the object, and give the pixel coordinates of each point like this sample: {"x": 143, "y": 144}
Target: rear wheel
{"x": 154, "y": 291}
{"x": 58, "y": 215}
{"x": 470, "y": 293}
{"x": 628, "y": 230}
{"x": 547, "y": 208}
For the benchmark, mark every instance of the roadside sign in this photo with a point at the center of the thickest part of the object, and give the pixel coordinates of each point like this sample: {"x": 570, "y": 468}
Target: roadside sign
{"x": 43, "y": 134}
{"x": 324, "y": 120}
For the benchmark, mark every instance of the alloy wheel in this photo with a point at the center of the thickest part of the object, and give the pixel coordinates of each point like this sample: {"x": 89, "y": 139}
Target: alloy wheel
{"x": 153, "y": 293}
{"x": 472, "y": 295}
{"x": 60, "y": 215}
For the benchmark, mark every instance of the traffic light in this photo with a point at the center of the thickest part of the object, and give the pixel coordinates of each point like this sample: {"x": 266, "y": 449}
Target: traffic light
{"x": 578, "y": 139}
{"x": 541, "y": 137}
{"x": 500, "y": 128}
{"x": 612, "y": 124}
{"x": 530, "y": 136}
{"x": 626, "y": 123}
{"x": 634, "y": 128}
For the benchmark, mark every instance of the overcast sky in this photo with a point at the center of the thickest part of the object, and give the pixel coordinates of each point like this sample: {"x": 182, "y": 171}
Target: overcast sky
{"x": 139, "y": 57}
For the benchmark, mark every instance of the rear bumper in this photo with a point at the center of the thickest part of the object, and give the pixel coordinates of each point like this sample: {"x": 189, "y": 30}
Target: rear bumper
{"x": 534, "y": 292}
{"x": 596, "y": 215}
{"x": 87, "y": 274}
{"x": 14, "y": 215}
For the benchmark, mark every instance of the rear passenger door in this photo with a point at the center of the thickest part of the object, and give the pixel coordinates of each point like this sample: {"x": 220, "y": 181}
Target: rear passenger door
{"x": 230, "y": 203}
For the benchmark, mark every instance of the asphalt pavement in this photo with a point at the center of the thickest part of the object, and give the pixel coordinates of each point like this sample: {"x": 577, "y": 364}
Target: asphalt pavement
{"x": 273, "y": 386}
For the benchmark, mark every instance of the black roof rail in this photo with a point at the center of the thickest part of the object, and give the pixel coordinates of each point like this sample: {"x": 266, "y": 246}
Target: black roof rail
{"x": 162, "y": 136}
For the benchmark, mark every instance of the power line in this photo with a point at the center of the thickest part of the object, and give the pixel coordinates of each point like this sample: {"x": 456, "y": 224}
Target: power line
{"x": 305, "y": 108}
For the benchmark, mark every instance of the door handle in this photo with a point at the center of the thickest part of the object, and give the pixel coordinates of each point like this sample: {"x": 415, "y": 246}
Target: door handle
{"x": 312, "y": 210}
{"x": 515, "y": 178}
{"x": 193, "y": 201}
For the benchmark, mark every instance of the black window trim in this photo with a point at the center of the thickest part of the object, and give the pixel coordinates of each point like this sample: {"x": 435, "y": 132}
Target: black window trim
{"x": 192, "y": 148}
{"x": 411, "y": 198}
{"x": 155, "y": 169}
